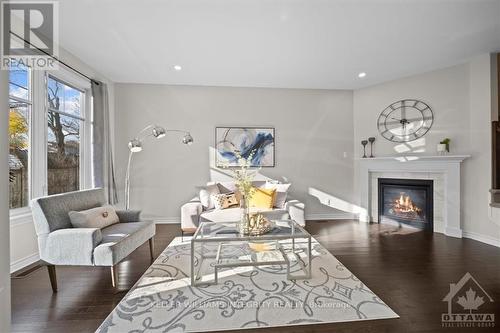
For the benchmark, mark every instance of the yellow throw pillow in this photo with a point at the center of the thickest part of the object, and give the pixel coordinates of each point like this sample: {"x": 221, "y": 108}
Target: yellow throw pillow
{"x": 263, "y": 198}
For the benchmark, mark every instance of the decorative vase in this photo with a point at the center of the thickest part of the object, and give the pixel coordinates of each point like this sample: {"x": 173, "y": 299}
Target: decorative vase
{"x": 371, "y": 140}
{"x": 364, "y": 143}
{"x": 245, "y": 215}
{"x": 442, "y": 149}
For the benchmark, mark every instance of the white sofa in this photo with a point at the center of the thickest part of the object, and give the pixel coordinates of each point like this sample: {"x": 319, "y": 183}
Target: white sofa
{"x": 193, "y": 212}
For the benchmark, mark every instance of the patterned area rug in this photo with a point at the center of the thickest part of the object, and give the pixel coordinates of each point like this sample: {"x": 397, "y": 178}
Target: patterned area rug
{"x": 246, "y": 297}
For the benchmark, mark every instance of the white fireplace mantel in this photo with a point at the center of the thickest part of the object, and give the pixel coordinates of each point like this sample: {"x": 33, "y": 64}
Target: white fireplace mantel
{"x": 447, "y": 165}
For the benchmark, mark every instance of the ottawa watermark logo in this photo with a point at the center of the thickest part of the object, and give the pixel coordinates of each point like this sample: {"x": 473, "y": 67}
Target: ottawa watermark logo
{"x": 467, "y": 302}
{"x": 30, "y": 34}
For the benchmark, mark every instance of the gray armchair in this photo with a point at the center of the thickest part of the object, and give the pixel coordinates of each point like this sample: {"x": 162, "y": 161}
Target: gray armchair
{"x": 59, "y": 243}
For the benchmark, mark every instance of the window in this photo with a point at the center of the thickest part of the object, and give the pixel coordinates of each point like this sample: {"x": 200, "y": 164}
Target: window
{"x": 19, "y": 141}
{"x": 49, "y": 135}
{"x": 65, "y": 121}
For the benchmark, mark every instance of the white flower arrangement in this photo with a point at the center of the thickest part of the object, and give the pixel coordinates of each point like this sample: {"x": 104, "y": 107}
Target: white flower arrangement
{"x": 244, "y": 174}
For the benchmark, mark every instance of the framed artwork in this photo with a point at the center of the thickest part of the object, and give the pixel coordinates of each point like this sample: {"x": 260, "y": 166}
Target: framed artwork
{"x": 244, "y": 140}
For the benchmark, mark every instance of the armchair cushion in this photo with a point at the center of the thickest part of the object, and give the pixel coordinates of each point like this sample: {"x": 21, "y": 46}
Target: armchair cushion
{"x": 126, "y": 216}
{"x": 72, "y": 246}
{"x": 120, "y": 239}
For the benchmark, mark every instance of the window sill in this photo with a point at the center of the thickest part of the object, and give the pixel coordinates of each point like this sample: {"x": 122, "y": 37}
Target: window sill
{"x": 20, "y": 216}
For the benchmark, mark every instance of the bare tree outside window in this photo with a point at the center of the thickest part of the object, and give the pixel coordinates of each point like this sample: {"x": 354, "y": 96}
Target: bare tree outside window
{"x": 63, "y": 150}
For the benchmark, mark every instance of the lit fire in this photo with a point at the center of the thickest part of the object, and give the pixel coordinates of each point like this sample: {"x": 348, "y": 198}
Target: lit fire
{"x": 404, "y": 204}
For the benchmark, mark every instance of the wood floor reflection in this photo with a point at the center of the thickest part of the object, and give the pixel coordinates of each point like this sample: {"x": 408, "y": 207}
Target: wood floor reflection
{"x": 409, "y": 269}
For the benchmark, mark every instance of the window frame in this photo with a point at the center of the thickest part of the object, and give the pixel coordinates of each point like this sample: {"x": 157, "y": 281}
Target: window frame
{"x": 85, "y": 145}
{"x": 22, "y": 211}
{"x": 38, "y": 132}
{"x": 79, "y": 83}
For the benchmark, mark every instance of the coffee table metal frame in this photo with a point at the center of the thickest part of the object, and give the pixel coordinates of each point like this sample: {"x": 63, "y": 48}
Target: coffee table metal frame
{"x": 231, "y": 236}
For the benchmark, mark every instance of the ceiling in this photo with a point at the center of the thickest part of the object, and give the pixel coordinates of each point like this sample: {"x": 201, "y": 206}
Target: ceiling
{"x": 276, "y": 43}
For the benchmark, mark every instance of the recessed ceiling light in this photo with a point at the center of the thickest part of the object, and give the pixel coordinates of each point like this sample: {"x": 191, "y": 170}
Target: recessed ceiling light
{"x": 361, "y": 75}
{"x": 177, "y": 67}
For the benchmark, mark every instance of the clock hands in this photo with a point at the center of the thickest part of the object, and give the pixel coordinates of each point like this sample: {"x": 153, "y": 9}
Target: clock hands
{"x": 407, "y": 121}
{"x": 403, "y": 121}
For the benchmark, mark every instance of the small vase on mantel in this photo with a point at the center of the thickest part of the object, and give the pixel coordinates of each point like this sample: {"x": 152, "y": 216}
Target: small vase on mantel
{"x": 245, "y": 213}
{"x": 441, "y": 149}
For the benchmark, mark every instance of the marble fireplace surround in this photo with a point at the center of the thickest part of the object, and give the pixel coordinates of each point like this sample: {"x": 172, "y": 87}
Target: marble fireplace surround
{"x": 443, "y": 170}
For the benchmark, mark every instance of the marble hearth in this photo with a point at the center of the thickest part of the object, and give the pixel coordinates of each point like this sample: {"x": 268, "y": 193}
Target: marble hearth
{"x": 443, "y": 170}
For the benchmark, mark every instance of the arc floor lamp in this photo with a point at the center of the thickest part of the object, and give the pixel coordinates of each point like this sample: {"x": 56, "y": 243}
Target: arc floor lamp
{"x": 135, "y": 146}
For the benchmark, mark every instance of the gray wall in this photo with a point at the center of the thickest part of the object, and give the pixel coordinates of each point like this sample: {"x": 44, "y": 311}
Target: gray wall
{"x": 4, "y": 206}
{"x": 461, "y": 98}
{"x": 447, "y": 93}
{"x": 314, "y": 141}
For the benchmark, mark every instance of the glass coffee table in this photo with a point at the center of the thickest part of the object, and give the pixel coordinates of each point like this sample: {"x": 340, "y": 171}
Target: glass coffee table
{"x": 219, "y": 245}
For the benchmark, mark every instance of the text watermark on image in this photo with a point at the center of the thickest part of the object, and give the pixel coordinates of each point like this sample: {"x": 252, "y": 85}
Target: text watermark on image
{"x": 30, "y": 34}
{"x": 465, "y": 299}
{"x": 268, "y": 304}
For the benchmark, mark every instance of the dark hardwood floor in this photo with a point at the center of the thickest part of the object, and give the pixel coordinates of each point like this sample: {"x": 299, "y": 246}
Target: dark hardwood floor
{"x": 410, "y": 271}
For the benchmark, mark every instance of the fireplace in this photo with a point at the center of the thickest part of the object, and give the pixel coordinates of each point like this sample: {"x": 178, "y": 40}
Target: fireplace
{"x": 407, "y": 201}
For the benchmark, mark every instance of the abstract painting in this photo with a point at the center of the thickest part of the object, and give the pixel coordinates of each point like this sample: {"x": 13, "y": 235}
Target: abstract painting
{"x": 244, "y": 140}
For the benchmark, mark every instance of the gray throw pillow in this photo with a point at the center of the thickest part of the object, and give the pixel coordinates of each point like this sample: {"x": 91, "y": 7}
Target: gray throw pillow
{"x": 99, "y": 217}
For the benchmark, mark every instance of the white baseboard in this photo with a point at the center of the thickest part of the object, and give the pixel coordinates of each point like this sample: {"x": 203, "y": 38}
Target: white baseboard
{"x": 481, "y": 238}
{"x": 453, "y": 232}
{"x": 167, "y": 220}
{"x": 330, "y": 216}
{"x": 21, "y": 263}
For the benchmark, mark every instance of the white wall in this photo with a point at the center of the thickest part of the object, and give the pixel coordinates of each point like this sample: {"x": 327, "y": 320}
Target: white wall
{"x": 314, "y": 132}
{"x": 23, "y": 245}
{"x": 4, "y": 206}
{"x": 478, "y": 221}
{"x": 447, "y": 93}
{"x": 460, "y": 97}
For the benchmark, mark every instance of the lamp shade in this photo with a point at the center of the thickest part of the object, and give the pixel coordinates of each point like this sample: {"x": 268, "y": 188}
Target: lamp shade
{"x": 187, "y": 139}
{"x": 159, "y": 132}
{"x": 135, "y": 145}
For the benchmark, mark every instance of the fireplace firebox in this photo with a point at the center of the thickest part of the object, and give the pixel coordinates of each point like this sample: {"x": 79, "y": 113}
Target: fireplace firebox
{"x": 408, "y": 201}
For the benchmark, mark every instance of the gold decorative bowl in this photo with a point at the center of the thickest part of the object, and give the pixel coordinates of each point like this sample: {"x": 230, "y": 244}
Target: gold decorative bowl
{"x": 257, "y": 225}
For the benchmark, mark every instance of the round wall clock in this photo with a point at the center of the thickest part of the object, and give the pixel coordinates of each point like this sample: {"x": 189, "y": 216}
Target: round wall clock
{"x": 405, "y": 120}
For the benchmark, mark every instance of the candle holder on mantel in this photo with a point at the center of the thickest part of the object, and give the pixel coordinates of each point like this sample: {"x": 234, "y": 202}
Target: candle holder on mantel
{"x": 372, "y": 140}
{"x": 364, "y": 143}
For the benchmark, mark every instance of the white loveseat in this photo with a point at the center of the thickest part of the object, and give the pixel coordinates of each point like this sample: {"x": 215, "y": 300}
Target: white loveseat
{"x": 194, "y": 212}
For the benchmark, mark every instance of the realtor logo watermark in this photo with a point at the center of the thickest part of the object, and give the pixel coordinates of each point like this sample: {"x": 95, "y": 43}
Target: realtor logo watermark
{"x": 467, "y": 302}
{"x": 30, "y": 34}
